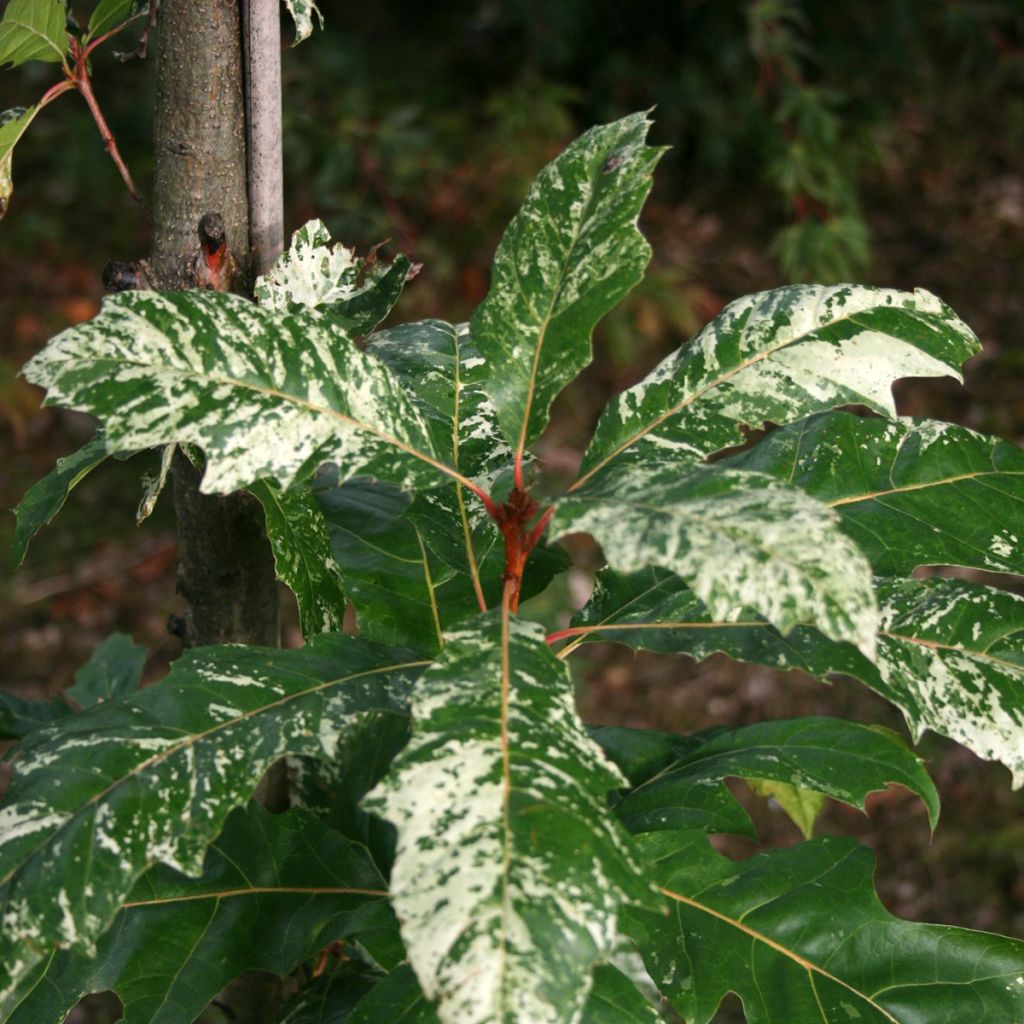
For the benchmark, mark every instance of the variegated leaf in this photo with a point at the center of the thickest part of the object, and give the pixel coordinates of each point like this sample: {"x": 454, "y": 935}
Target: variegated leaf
{"x": 442, "y": 368}
{"x": 13, "y": 125}
{"x": 153, "y": 486}
{"x": 311, "y": 274}
{"x": 741, "y": 540}
{"x": 274, "y": 890}
{"x": 843, "y": 760}
{"x": 301, "y": 543}
{"x": 569, "y": 255}
{"x": 45, "y": 498}
{"x": 778, "y": 356}
{"x": 909, "y": 492}
{"x": 101, "y": 796}
{"x": 800, "y": 935}
{"x": 511, "y": 871}
{"x": 263, "y": 394}
{"x": 950, "y": 654}
{"x": 403, "y": 591}
{"x": 303, "y": 12}
{"x": 33, "y": 30}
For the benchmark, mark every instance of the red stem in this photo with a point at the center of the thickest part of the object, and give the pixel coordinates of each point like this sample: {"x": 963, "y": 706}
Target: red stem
{"x": 54, "y": 91}
{"x": 106, "y": 35}
{"x": 564, "y": 634}
{"x": 84, "y": 85}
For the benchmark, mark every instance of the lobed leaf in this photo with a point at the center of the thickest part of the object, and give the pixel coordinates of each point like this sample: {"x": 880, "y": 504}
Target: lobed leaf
{"x": 301, "y": 543}
{"x": 800, "y": 935}
{"x": 274, "y": 890}
{"x": 741, "y": 540}
{"x": 840, "y": 759}
{"x": 311, "y": 274}
{"x": 113, "y": 670}
{"x": 511, "y": 871}
{"x": 570, "y": 254}
{"x": 13, "y": 124}
{"x": 909, "y": 492}
{"x": 33, "y": 30}
{"x": 265, "y": 395}
{"x": 19, "y": 717}
{"x": 950, "y": 654}
{"x": 101, "y": 796}
{"x": 45, "y": 498}
{"x": 778, "y": 356}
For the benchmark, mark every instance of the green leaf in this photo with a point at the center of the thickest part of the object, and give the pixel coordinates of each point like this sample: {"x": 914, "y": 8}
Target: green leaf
{"x": 741, "y": 540}
{"x": 13, "y": 124}
{"x": 33, "y": 30}
{"x": 265, "y": 395}
{"x": 330, "y": 998}
{"x": 311, "y": 274}
{"x": 569, "y": 255}
{"x": 113, "y": 670}
{"x": 274, "y": 890}
{"x": 441, "y": 367}
{"x": 153, "y": 486}
{"x": 802, "y": 806}
{"x": 800, "y": 935}
{"x": 950, "y": 654}
{"x": 909, "y": 492}
{"x": 614, "y": 999}
{"x": 100, "y": 796}
{"x": 778, "y": 356}
{"x": 109, "y": 14}
{"x": 46, "y": 498}
{"x": 303, "y": 12}
{"x": 301, "y": 543}
{"x": 402, "y": 595}
{"x": 396, "y": 999}
{"x": 841, "y": 759}
{"x": 499, "y": 759}
{"x": 19, "y": 717}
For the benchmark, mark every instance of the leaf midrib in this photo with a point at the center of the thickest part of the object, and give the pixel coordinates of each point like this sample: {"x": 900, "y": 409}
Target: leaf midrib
{"x": 191, "y": 741}
{"x": 810, "y": 967}
{"x": 700, "y": 392}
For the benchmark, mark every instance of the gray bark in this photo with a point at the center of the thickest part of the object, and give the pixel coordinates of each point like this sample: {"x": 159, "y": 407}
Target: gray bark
{"x": 261, "y": 21}
{"x": 225, "y": 568}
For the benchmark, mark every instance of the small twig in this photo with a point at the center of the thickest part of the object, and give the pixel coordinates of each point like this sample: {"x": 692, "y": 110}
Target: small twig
{"x": 83, "y": 83}
{"x": 139, "y": 53}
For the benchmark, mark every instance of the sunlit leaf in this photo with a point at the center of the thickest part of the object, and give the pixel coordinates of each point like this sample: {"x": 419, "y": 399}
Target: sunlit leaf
{"x": 33, "y": 30}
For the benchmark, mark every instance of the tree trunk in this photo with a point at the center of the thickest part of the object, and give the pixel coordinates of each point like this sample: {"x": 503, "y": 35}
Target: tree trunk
{"x": 225, "y": 565}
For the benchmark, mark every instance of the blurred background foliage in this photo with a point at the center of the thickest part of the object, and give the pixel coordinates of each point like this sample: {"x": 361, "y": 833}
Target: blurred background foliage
{"x": 811, "y": 141}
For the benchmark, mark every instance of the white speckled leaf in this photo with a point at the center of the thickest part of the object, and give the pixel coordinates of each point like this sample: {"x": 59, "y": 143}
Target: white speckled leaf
{"x": 45, "y": 498}
{"x": 13, "y": 125}
{"x": 801, "y": 937}
{"x": 778, "y": 356}
{"x": 511, "y": 870}
{"x": 569, "y": 255}
{"x": 263, "y": 394}
{"x": 741, "y": 540}
{"x": 101, "y": 796}
{"x": 909, "y": 492}
{"x": 153, "y": 486}
{"x": 303, "y": 560}
{"x": 275, "y": 889}
{"x": 33, "y": 30}
{"x": 312, "y": 274}
{"x": 950, "y": 654}
{"x": 303, "y": 12}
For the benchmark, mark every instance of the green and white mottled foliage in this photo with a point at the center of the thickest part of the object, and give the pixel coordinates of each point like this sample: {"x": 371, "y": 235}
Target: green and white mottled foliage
{"x": 482, "y": 854}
